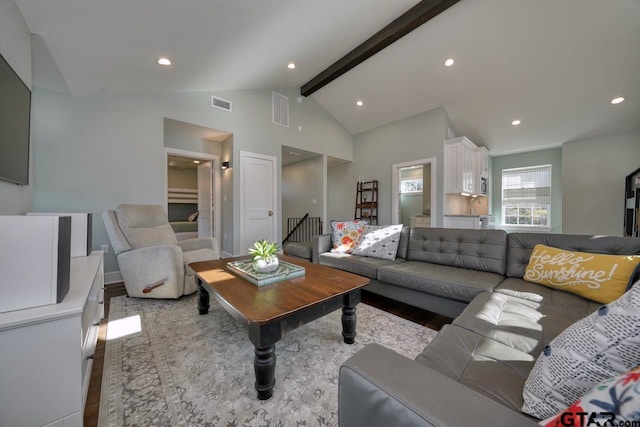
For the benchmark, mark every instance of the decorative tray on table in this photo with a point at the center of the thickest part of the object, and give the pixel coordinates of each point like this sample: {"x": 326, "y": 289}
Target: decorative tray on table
{"x": 285, "y": 271}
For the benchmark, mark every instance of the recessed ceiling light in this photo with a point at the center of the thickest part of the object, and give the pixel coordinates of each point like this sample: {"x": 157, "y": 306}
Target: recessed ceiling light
{"x": 449, "y": 62}
{"x": 291, "y": 65}
{"x": 617, "y": 100}
{"x": 164, "y": 61}
{"x": 359, "y": 103}
{"x": 516, "y": 122}
{"x": 196, "y": 162}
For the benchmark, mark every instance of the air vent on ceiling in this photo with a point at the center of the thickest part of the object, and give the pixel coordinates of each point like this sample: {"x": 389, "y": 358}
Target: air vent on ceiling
{"x": 280, "y": 109}
{"x": 223, "y": 104}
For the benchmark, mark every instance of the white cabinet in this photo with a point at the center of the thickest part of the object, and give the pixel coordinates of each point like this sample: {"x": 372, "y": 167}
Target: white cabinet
{"x": 465, "y": 166}
{"x": 420, "y": 221}
{"x": 471, "y": 222}
{"x": 46, "y": 352}
{"x": 459, "y": 160}
{"x": 481, "y": 171}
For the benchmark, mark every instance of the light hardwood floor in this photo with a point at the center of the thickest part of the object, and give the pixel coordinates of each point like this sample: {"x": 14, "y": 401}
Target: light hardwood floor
{"x": 92, "y": 407}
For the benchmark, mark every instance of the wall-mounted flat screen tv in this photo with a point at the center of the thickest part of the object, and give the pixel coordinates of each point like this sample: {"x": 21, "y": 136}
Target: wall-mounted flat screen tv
{"x": 15, "y": 116}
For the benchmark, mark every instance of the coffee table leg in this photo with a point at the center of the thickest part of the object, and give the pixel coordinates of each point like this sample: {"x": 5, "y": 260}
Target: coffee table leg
{"x": 203, "y": 298}
{"x": 264, "y": 366}
{"x": 349, "y": 316}
{"x": 349, "y": 324}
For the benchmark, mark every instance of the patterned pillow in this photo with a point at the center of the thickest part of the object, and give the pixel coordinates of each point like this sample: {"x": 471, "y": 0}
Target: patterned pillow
{"x": 616, "y": 399}
{"x": 602, "y": 345}
{"x": 598, "y": 277}
{"x": 379, "y": 241}
{"x": 345, "y": 235}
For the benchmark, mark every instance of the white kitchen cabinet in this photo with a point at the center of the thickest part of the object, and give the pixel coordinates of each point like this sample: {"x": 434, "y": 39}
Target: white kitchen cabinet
{"x": 420, "y": 221}
{"x": 460, "y": 166}
{"x": 481, "y": 171}
{"x": 46, "y": 352}
{"x": 482, "y": 162}
{"x": 470, "y": 222}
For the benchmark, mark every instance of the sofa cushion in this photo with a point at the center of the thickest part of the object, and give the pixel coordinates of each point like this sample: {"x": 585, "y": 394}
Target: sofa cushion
{"x": 520, "y": 246}
{"x": 455, "y": 283}
{"x": 604, "y": 344}
{"x": 523, "y": 324}
{"x": 362, "y": 266}
{"x": 345, "y": 235}
{"x": 487, "y": 366}
{"x": 379, "y": 241}
{"x": 483, "y": 250}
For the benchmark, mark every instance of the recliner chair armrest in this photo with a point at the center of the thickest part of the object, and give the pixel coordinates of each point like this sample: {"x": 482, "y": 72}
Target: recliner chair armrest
{"x": 379, "y": 387}
{"x": 147, "y": 267}
{"x": 320, "y": 244}
{"x": 199, "y": 243}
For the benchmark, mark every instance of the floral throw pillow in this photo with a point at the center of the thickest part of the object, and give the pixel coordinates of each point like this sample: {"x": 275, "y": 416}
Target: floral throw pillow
{"x": 610, "y": 402}
{"x": 345, "y": 235}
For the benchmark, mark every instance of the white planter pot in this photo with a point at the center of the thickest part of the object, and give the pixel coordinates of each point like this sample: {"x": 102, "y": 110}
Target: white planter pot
{"x": 266, "y": 265}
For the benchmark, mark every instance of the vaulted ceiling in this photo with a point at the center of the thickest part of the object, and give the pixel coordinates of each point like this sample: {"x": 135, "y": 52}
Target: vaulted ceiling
{"x": 554, "y": 65}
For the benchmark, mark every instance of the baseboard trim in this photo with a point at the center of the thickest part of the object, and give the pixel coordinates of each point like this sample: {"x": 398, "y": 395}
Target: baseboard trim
{"x": 112, "y": 277}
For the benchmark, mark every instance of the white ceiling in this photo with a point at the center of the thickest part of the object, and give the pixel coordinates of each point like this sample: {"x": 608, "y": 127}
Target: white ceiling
{"x": 553, "y": 64}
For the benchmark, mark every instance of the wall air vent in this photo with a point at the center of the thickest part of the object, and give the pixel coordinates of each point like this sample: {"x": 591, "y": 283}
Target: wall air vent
{"x": 223, "y": 104}
{"x": 280, "y": 109}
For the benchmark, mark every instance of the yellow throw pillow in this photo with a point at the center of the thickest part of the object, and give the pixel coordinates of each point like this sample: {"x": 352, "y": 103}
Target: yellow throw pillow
{"x": 598, "y": 277}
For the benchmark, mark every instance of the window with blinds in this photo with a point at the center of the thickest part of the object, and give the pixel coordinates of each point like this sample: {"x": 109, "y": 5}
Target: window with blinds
{"x": 526, "y": 196}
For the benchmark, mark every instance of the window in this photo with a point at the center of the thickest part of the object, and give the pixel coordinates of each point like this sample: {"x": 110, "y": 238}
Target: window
{"x": 526, "y": 196}
{"x": 411, "y": 186}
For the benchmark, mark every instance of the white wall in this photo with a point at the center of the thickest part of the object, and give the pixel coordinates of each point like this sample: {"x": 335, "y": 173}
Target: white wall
{"x": 15, "y": 47}
{"x": 593, "y": 180}
{"x": 92, "y": 153}
{"x": 418, "y": 137}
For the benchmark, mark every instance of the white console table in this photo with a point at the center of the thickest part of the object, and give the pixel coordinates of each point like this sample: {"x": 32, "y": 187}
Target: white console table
{"x": 46, "y": 353}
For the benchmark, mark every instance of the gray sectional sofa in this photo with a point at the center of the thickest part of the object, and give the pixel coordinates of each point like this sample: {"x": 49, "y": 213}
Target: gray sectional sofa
{"x": 473, "y": 373}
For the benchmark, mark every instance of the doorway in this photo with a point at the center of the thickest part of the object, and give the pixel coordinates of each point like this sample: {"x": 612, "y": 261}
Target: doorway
{"x": 414, "y": 190}
{"x": 193, "y": 188}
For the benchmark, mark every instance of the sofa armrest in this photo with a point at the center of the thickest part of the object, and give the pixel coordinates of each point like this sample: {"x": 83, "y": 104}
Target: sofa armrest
{"x": 320, "y": 244}
{"x": 157, "y": 269}
{"x": 379, "y": 387}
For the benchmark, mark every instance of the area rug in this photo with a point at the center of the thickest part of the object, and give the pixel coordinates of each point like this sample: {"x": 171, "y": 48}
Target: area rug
{"x": 165, "y": 365}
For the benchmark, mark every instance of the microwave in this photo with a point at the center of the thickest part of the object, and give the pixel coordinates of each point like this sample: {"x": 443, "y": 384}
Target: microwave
{"x": 483, "y": 186}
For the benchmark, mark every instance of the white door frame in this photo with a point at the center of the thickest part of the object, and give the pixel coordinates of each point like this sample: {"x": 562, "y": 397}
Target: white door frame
{"x": 395, "y": 185}
{"x": 276, "y": 217}
{"x": 217, "y": 185}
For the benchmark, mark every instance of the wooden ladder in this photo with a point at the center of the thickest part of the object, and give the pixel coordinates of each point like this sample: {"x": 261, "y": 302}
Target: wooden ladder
{"x": 367, "y": 201}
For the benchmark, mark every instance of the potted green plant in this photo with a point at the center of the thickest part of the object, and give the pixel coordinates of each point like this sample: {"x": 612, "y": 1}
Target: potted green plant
{"x": 264, "y": 256}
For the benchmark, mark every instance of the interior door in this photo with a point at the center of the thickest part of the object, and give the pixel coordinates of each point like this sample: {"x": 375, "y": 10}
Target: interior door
{"x": 258, "y": 199}
{"x": 205, "y": 200}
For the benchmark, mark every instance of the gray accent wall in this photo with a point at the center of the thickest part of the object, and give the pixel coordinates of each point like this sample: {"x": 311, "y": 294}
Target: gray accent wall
{"x": 15, "y": 47}
{"x": 594, "y": 171}
{"x": 553, "y": 157}
{"x": 92, "y": 153}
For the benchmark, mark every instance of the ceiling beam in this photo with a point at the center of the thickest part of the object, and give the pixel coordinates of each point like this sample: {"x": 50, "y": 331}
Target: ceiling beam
{"x": 407, "y": 22}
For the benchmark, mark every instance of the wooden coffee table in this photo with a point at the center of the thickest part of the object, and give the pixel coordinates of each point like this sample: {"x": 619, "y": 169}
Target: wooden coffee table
{"x": 270, "y": 311}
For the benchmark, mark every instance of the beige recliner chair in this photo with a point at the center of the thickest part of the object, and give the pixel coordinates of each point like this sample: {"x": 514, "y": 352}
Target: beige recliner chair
{"x": 152, "y": 261}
